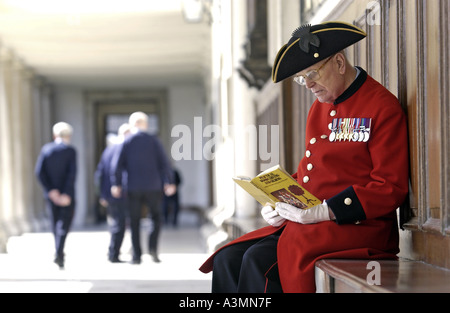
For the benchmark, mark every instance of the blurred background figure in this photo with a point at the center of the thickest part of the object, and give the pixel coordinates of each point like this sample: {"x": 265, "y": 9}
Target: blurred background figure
{"x": 116, "y": 207}
{"x": 171, "y": 203}
{"x": 56, "y": 171}
{"x": 149, "y": 173}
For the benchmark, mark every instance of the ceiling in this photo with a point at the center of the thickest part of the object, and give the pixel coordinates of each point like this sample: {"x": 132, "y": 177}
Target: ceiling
{"x": 113, "y": 43}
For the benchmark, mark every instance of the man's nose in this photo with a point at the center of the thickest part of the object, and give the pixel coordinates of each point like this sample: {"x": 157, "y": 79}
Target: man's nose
{"x": 309, "y": 83}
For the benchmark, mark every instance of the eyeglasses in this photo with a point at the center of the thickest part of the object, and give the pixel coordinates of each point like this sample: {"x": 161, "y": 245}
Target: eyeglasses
{"x": 311, "y": 75}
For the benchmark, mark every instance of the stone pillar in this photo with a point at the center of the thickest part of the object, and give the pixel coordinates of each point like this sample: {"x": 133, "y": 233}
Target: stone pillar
{"x": 8, "y": 159}
{"x": 19, "y": 146}
{"x": 28, "y": 114}
{"x": 243, "y": 113}
{"x": 41, "y": 94}
{"x": 5, "y": 157}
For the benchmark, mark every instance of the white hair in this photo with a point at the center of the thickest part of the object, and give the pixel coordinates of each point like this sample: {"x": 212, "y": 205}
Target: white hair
{"x": 137, "y": 117}
{"x": 62, "y": 129}
{"x": 124, "y": 129}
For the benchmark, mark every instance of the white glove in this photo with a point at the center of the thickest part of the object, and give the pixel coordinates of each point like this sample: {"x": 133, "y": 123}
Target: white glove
{"x": 316, "y": 214}
{"x": 271, "y": 216}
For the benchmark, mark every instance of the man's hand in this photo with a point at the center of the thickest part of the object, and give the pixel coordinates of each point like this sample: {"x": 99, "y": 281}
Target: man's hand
{"x": 170, "y": 189}
{"x": 54, "y": 195}
{"x": 116, "y": 191}
{"x": 64, "y": 200}
{"x": 103, "y": 202}
{"x": 271, "y": 216}
{"x": 60, "y": 199}
{"x": 316, "y": 214}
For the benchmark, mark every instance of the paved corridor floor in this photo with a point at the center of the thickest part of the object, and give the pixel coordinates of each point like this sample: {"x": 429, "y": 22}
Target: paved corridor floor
{"x": 28, "y": 266}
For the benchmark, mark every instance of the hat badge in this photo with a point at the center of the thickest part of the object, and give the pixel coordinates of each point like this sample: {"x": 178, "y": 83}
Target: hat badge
{"x": 306, "y": 38}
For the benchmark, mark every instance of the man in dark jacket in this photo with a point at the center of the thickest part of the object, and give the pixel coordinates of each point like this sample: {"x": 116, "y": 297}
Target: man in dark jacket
{"x": 56, "y": 171}
{"x": 149, "y": 174}
{"x": 116, "y": 207}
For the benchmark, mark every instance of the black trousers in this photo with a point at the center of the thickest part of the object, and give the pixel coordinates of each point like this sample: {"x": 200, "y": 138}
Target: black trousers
{"x": 116, "y": 223}
{"x": 248, "y": 267}
{"x": 61, "y": 219}
{"x": 136, "y": 201}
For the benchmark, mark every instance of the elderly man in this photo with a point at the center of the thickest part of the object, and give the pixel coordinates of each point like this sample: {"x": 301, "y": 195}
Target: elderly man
{"x": 116, "y": 206}
{"x": 149, "y": 174}
{"x": 356, "y": 160}
{"x": 56, "y": 169}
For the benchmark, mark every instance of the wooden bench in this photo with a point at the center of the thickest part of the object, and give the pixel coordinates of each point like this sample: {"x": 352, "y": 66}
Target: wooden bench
{"x": 402, "y": 276}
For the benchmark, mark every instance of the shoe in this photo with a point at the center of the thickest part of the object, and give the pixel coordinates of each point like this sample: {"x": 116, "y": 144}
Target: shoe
{"x": 135, "y": 261}
{"x": 115, "y": 260}
{"x": 60, "y": 262}
{"x": 155, "y": 258}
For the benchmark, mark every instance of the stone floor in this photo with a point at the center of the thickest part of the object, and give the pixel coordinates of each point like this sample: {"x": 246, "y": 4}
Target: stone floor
{"x": 28, "y": 266}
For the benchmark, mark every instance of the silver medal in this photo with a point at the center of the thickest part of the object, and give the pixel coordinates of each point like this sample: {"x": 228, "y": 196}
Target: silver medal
{"x": 332, "y": 136}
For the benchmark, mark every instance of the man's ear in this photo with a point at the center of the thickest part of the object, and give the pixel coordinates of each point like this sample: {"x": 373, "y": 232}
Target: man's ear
{"x": 342, "y": 63}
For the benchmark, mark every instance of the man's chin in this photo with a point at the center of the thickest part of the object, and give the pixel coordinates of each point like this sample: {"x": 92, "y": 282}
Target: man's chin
{"x": 325, "y": 100}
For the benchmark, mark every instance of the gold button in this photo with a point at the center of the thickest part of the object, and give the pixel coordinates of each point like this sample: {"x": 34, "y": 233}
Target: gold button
{"x": 333, "y": 113}
{"x": 305, "y": 179}
{"x": 316, "y": 55}
{"x": 308, "y": 153}
{"x": 313, "y": 141}
{"x": 324, "y": 136}
{"x": 348, "y": 201}
{"x": 309, "y": 167}
{"x": 357, "y": 222}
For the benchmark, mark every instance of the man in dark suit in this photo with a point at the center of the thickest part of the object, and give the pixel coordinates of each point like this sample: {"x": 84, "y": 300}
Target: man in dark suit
{"x": 116, "y": 207}
{"x": 56, "y": 171}
{"x": 149, "y": 174}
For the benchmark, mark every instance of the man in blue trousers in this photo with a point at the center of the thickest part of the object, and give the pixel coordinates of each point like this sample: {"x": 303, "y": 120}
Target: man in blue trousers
{"x": 56, "y": 171}
{"x": 149, "y": 174}
{"x": 116, "y": 207}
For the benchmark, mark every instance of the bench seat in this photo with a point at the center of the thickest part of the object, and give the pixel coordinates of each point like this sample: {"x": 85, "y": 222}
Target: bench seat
{"x": 402, "y": 276}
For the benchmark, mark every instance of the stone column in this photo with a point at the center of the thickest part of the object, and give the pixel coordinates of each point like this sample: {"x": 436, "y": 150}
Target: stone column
{"x": 19, "y": 145}
{"x": 243, "y": 113}
{"x": 8, "y": 199}
{"x": 5, "y": 157}
{"x": 27, "y": 115}
{"x": 41, "y": 95}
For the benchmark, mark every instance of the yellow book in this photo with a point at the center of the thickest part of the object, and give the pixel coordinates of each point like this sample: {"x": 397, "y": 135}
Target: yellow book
{"x": 276, "y": 185}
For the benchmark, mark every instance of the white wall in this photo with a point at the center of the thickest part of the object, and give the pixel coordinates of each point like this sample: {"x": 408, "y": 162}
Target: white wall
{"x": 187, "y": 106}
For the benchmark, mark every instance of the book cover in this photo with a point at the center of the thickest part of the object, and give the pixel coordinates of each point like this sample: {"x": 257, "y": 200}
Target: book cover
{"x": 276, "y": 185}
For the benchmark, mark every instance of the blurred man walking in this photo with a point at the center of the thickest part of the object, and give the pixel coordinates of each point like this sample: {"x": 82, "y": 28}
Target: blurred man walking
{"x": 56, "y": 171}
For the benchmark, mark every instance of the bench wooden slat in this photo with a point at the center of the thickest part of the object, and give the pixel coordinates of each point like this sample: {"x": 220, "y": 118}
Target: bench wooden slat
{"x": 402, "y": 276}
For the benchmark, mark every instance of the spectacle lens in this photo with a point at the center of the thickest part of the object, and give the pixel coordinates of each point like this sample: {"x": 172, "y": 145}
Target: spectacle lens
{"x": 311, "y": 75}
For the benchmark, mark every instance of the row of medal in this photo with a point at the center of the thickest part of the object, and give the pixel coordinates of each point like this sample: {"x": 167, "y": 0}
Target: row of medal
{"x": 350, "y": 129}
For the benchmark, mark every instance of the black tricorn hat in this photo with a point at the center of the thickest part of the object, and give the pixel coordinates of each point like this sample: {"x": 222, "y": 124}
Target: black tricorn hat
{"x": 311, "y": 44}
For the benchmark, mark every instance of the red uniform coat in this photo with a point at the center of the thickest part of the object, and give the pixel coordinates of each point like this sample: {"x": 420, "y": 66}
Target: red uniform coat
{"x": 364, "y": 182}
